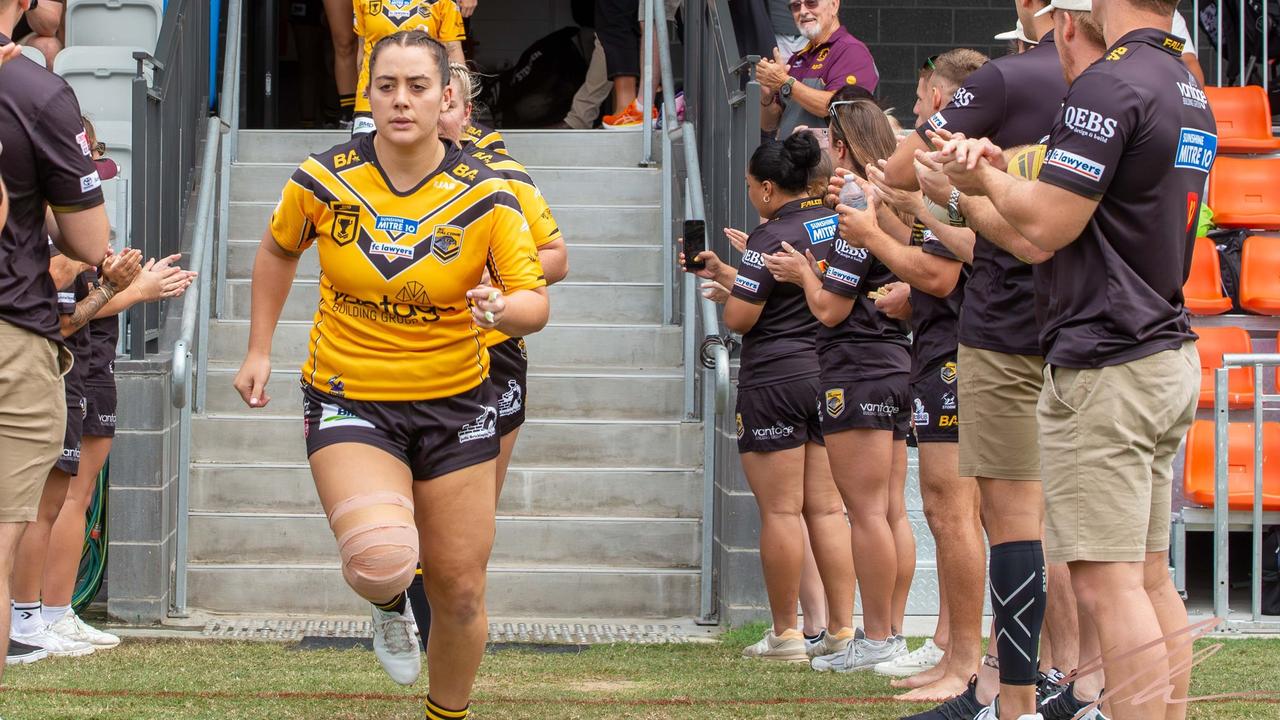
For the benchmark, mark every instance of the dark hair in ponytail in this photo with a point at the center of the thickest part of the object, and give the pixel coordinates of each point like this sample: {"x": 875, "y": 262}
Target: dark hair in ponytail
{"x": 788, "y": 164}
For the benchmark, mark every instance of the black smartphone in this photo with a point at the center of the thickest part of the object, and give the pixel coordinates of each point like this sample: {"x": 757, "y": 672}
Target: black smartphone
{"x": 695, "y": 242}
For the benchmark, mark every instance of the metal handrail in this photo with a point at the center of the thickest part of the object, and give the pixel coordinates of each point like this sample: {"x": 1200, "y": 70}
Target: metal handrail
{"x": 715, "y": 355}
{"x": 193, "y": 336}
{"x": 1221, "y": 496}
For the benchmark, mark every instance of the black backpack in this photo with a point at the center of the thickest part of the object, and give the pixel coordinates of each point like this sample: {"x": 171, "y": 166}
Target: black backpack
{"x": 1230, "y": 245}
{"x": 538, "y": 90}
{"x": 1255, "y": 64}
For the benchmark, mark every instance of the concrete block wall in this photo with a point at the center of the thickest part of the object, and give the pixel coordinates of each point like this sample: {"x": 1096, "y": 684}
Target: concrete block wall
{"x": 143, "y": 493}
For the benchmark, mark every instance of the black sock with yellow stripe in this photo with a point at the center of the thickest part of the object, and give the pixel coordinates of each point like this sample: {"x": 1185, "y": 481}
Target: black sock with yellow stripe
{"x": 435, "y": 711}
{"x": 347, "y": 106}
{"x": 396, "y": 605}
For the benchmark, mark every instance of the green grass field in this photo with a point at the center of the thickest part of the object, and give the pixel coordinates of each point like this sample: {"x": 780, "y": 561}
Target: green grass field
{"x": 160, "y": 680}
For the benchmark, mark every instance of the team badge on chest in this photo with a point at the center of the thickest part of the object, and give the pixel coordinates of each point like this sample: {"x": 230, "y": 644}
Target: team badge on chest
{"x": 346, "y": 223}
{"x": 446, "y": 242}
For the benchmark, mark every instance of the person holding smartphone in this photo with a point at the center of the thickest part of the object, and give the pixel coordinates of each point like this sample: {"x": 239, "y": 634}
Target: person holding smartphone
{"x": 779, "y": 430}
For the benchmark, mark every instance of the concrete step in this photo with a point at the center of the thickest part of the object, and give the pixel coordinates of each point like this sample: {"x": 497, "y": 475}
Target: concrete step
{"x": 581, "y": 224}
{"x": 553, "y": 393}
{"x": 586, "y": 184}
{"x": 637, "y": 346}
{"x": 581, "y": 541}
{"x": 531, "y": 147}
{"x": 513, "y": 591}
{"x": 587, "y": 263}
{"x": 613, "y": 492}
{"x": 254, "y": 438}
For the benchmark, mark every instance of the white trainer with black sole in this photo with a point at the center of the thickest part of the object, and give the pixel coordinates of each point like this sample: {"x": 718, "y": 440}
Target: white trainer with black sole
{"x": 787, "y": 647}
{"x": 55, "y": 644}
{"x": 925, "y": 657}
{"x": 828, "y": 644}
{"x": 860, "y": 654}
{"x": 395, "y": 644}
{"x": 70, "y": 626}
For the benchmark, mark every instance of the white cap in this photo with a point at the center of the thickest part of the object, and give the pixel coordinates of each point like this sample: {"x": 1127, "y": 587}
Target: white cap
{"x": 1017, "y": 33}
{"x": 1082, "y": 5}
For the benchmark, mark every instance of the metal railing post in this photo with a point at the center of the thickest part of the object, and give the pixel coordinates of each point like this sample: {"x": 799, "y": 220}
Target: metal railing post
{"x": 1255, "y": 587}
{"x": 1221, "y": 446}
{"x": 1243, "y": 55}
{"x": 646, "y": 80}
{"x": 1218, "y": 65}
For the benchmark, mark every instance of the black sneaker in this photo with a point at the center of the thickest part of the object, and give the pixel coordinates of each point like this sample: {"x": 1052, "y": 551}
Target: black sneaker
{"x": 22, "y": 653}
{"x": 964, "y": 706}
{"x": 1063, "y": 705}
{"x": 1047, "y": 685}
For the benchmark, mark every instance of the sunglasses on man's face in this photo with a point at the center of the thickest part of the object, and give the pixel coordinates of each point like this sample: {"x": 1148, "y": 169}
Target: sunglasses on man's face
{"x": 810, "y": 4}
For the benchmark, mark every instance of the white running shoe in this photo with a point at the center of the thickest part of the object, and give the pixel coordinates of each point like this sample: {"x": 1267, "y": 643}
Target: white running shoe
{"x": 860, "y": 654}
{"x": 900, "y": 643}
{"x": 922, "y": 658}
{"x": 72, "y": 627}
{"x": 55, "y": 644}
{"x": 395, "y": 644}
{"x": 828, "y": 644}
{"x": 787, "y": 647}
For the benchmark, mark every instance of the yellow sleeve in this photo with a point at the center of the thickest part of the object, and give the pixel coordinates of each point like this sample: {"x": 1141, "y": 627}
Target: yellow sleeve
{"x": 542, "y": 224}
{"x": 513, "y": 258}
{"x": 357, "y": 17}
{"x": 447, "y": 23}
{"x": 294, "y": 222}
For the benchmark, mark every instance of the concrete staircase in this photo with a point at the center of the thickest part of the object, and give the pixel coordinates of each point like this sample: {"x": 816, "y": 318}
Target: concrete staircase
{"x": 600, "y": 515}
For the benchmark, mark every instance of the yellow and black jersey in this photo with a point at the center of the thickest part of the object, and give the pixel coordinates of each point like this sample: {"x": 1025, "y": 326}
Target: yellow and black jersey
{"x": 376, "y": 19}
{"x": 537, "y": 214}
{"x": 393, "y": 322}
{"x": 485, "y": 138}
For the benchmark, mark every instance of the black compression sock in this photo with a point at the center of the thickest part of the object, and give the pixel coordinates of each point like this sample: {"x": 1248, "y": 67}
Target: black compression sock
{"x": 396, "y": 605}
{"x": 420, "y": 606}
{"x": 1018, "y": 600}
{"x": 347, "y": 106}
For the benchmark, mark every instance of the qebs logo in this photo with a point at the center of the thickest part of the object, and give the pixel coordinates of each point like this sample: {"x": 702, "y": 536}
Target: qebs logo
{"x": 1093, "y": 125}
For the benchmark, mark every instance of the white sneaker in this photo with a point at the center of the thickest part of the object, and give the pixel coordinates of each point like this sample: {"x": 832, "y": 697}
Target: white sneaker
{"x": 55, "y": 644}
{"x": 828, "y": 644}
{"x": 787, "y": 647}
{"x": 72, "y": 627}
{"x": 900, "y": 645}
{"x": 922, "y": 658}
{"x": 395, "y": 644}
{"x": 860, "y": 654}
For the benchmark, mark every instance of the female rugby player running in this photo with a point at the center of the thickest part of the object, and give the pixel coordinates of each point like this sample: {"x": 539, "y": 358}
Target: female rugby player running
{"x": 399, "y": 418}
{"x": 779, "y": 428}
{"x": 864, "y": 357}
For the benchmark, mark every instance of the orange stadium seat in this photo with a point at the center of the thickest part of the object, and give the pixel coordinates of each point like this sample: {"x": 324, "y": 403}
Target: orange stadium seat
{"x": 1244, "y": 119}
{"x": 1202, "y": 293}
{"x": 1197, "y": 474}
{"x": 1245, "y": 192}
{"x": 1260, "y": 275}
{"x": 1215, "y": 342}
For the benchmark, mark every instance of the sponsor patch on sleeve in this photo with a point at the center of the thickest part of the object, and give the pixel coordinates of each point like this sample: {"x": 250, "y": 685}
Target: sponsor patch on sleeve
{"x": 822, "y": 229}
{"x": 1078, "y": 164}
{"x": 90, "y": 182}
{"x": 747, "y": 284}
{"x": 843, "y": 277}
{"x": 937, "y": 121}
{"x": 753, "y": 258}
{"x": 83, "y": 141}
{"x": 1196, "y": 150}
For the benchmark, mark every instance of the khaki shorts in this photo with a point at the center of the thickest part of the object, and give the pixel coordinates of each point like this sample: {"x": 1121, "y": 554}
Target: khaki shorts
{"x": 33, "y": 417}
{"x": 998, "y": 395}
{"x": 1108, "y": 437}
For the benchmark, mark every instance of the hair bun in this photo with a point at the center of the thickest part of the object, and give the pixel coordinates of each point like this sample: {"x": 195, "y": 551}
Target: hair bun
{"x": 803, "y": 151}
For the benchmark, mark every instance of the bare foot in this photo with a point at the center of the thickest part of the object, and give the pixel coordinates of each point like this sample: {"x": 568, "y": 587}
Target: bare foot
{"x": 944, "y": 689}
{"x": 920, "y": 679}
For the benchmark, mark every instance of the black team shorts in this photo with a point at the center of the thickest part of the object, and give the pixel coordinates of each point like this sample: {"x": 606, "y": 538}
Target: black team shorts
{"x": 935, "y": 404}
{"x": 69, "y": 461}
{"x": 100, "y": 410}
{"x": 432, "y": 437}
{"x": 778, "y": 417}
{"x": 509, "y": 375}
{"x": 853, "y": 403}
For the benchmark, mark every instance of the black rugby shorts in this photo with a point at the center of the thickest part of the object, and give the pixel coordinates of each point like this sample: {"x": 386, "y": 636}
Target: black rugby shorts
{"x": 778, "y": 417}
{"x": 509, "y": 375}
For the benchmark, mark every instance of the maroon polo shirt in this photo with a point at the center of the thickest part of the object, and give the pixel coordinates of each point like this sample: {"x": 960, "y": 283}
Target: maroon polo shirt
{"x": 1135, "y": 131}
{"x": 841, "y": 60}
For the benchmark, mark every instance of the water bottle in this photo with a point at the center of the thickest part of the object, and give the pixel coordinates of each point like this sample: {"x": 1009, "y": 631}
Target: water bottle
{"x": 851, "y": 194}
